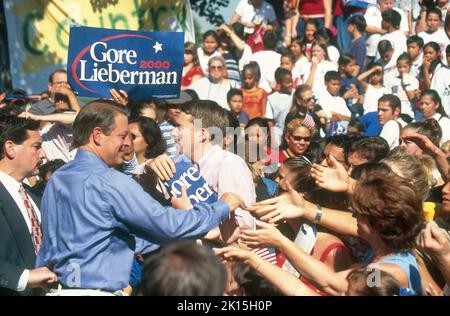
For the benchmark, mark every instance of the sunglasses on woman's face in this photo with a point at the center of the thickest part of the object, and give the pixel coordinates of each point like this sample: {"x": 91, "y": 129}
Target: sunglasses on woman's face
{"x": 300, "y": 138}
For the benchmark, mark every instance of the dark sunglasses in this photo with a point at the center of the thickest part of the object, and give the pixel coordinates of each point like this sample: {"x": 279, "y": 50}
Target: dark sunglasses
{"x": 300, "y": 138}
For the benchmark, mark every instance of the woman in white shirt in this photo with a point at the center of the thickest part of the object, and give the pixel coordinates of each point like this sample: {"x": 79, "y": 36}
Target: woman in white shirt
{"x": 431, "y": 106}
{"x": 147, "y": 141}
{"x": 320, "y": 65}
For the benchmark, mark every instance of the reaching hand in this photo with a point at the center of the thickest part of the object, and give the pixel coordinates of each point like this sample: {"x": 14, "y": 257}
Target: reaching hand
{"x": 61, "y": 89}
{"x": 41, "y": 277}
{"x": 333, "y": 178}
{"x": 233, "y": 200}
{"x": 236, "y": 253}
{"x": 183, "y": 202}
{"x": 163, "y": 166}
{"x": 434, "y": 241}
{"x": 422, "y": 141}
{"x": 288, "y": 205}
{"x": 120, "y": 97}
{"x": 268, "y": 235}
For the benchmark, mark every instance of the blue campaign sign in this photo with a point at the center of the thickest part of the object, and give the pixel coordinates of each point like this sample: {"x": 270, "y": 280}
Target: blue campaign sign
{"x": 197, "y": 188}
{"x": 147, "y": 65}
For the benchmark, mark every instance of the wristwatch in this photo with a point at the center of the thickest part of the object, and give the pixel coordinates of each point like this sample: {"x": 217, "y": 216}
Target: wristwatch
{"x": 319, "y": 213}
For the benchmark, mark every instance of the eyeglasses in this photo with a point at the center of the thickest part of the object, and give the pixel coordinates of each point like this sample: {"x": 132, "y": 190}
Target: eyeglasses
{"x": 300, "y": 138}
{"x": 216, "y": 67}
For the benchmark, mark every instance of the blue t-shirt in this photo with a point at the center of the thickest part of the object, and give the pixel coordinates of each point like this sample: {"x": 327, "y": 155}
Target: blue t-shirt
{"x": 358, "y": 50}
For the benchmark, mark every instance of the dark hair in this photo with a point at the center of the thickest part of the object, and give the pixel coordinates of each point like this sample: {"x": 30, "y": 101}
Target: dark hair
{"x": 341, "y": 141}
{"x": 393, "y": 100}
{"x": 212, "y": 33}
{"x": 254, "y": 68}
{"x": 345, "y": 59}
{"x": 447, "y": 49}
{"x": 297, "y": 94}
{"x": 232, "y": 92}
{"x": 183, "y": 269}
{"x": 300, "y": 168}
{"x": 98, "y": 113}
{"x": 238, "y": 29}
{"x": 404, "y": 57}
{"x": 368, "y": 168}
{"x": 434, "y": 64}
{"x": 436, "y": 99}
{"x": 15, "y": 129}
{"x": 251, "y": 281}
{"x": 430, "y": 128}
{"x": 280, "y": 73}
{"x": 392, "y": 17}
{"x": 300, "y": 41}
{"x": 370, "y": 148}
{"x": 57, "y": 71}
{"x": 358, "y": 125}
{"x": 325, "y": 34}
{"x": 358, "y": 281}
{"x": 434, "y": 11}
{"x": 270, "y": 40}
{"x": 190, "y": 48}
{"x": 288, "y": 54}
{"x": 50, "y": 166}
{"x": 415, "y": 39}
{"x": 393, "y": 209}
{"x": 136, "y": 107}
{"x": 332, "y": 75}
{"x": 359, "y": 21}
{"x": 383, "y": 47}
{"x": 156, "y": 145}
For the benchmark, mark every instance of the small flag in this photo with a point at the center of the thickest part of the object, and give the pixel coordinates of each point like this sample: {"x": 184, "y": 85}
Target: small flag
{"x": 268, "y": 254}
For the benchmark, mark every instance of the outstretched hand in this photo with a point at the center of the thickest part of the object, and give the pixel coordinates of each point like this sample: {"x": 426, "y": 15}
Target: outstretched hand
{"x": 286, "y": 206}
{"x": 266, "y": 236}
{"x": 422, "y": 141}
{"x": 333, "y": 178}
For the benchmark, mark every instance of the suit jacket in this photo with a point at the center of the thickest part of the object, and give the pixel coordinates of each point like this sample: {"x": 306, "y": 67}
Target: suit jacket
{"x": 16, "y": 247}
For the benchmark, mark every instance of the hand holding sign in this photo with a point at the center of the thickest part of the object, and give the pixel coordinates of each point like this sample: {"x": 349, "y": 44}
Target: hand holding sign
{"x": 183, "y": 202}
{"x": 120, "y": 97}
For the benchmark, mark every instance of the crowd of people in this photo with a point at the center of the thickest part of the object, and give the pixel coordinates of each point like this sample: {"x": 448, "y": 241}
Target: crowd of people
{"x": 308, "y": 154}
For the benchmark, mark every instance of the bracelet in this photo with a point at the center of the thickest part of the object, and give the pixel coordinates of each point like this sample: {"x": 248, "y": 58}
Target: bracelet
{"x": 319, "y": 213}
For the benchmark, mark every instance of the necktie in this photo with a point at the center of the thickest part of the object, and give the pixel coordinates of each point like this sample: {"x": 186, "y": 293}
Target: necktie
{"x": 36, "y": 233}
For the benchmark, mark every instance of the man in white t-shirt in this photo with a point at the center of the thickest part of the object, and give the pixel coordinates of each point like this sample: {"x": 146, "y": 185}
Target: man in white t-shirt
{"x": 441, "y": 83}
{"x": 435, "y": 32}
{"x": 333, "y": 105}
{"x": 389, "y": 107}
{"x": 252, "y": 13}
{"x": 373, "y": 19}
{"x": 268, "y": 61}
{"x": 391, "y": 23}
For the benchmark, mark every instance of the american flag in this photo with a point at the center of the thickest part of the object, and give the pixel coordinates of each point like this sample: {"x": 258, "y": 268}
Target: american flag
{"x": 308, "y": 121}
{"x": 268, "y": 254}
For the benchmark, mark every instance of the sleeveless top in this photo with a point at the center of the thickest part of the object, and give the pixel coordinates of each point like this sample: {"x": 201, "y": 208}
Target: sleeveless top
{"x": 408, "y": 263}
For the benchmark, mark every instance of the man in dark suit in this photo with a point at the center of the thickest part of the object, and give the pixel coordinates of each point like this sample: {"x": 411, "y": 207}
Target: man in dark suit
{"x": 20, "y": 233}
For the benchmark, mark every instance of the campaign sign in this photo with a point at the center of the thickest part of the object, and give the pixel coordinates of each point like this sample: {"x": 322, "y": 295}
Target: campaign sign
{"x": 197, "y": 188}
{"x": 147, "y": 65}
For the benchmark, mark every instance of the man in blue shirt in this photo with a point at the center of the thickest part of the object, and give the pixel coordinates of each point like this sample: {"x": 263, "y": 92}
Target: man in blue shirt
{"x": 96, "y": 218}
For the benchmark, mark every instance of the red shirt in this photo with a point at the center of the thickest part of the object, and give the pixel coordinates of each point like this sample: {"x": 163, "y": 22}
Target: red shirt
{"x": 309, "y": 7}
{"x": 187, "y": 78}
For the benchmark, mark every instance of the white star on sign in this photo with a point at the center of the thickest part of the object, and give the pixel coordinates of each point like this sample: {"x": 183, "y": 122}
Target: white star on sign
{"x": 157, "y": 47}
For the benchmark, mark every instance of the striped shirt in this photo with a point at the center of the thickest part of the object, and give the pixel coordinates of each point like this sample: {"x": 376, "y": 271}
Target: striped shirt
{"x": 166, "y": 130}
